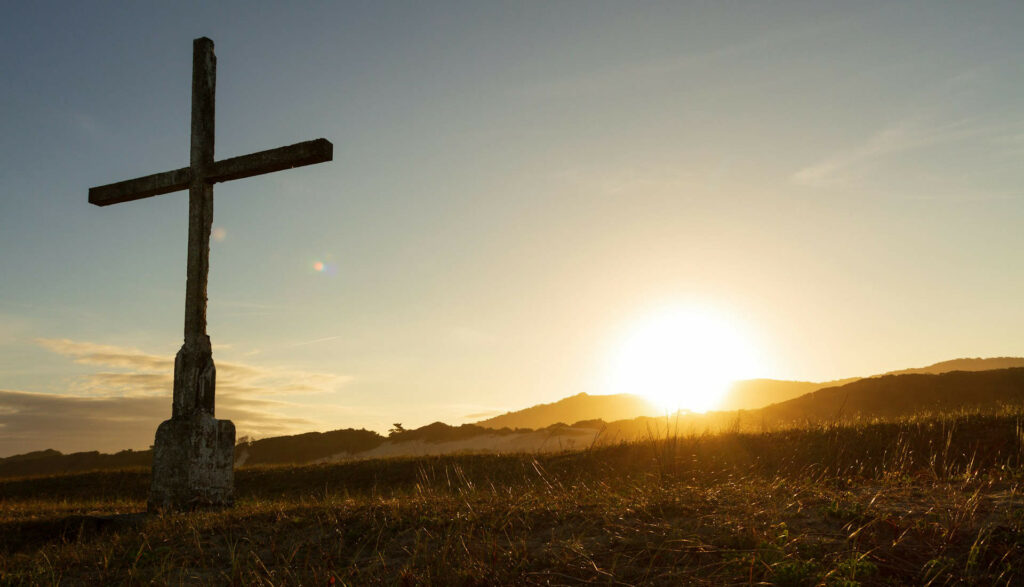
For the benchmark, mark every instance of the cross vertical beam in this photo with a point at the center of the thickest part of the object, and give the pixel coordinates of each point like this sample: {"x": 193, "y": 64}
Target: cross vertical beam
{"x": 195, "y": 375}
{"x": 200, "y": 193}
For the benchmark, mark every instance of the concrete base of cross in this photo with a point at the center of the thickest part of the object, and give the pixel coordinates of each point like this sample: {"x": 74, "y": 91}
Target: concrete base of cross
{"x": 193, "y": 464}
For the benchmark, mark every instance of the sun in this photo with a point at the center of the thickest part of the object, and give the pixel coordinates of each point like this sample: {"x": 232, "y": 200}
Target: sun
{"x": 682, "y": 358}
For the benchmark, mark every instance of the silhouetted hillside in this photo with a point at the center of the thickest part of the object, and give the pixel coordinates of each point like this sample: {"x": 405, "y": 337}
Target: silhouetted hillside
{"x": 305, "y": 448}
{"x": 441, "y": 432}
{"x": 51, "y": 462}
{"x": 751, "y": 394}
{"x": 758, "y": 393}
{"x": 742, "y": 395}
{"x": 575, "y": 408}
{"x": 890, "y": 396}
{"x": 975, "y": 364}
{"x": 882, "y": 397}
{"x": 542, "y": 429}
{"x": 298, "y": 449}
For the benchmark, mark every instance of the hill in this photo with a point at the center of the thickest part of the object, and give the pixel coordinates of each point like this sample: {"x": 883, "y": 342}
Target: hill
{"x": 886, "y": 397}
{"x": 574, "y": 409}
{"x": 749, "y": 394}
{"x": 975, "y": 364}
{"x": 334, "y": 446}
{"x": 893, "y": 396}
{"x": 297, "y": 449}
{"x": 305, "y": 448}
{"x": 50, "y": 462}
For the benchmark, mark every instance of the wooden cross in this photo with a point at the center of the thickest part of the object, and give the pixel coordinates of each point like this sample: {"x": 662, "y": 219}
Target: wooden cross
{"x": 194, "y": 373}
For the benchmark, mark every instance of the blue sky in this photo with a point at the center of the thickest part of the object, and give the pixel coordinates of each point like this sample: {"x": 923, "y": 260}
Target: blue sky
{"x": 513, "y": 186}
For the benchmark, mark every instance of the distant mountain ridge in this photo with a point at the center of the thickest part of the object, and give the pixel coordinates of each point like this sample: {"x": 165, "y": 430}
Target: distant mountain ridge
{"x": 969, "y": 386}
{"x": 967, "y": 364}
{"x": 575, "y": 408}
{"x": 750, "y": 394}
{"x": 884, "y": 397}
{"x": 905, "y": 394}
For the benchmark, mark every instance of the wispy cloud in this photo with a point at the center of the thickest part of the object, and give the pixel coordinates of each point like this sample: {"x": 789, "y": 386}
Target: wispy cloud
{"x": 33, "y": 421}
{"x": 120, "y": 405}
{"x": 89, "y": 353}
{"x": 848, "y": 166}
{"x": 139, "y": 373}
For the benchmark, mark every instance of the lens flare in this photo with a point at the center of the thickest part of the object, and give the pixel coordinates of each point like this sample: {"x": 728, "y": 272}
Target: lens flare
{"x": 318, "y": 267}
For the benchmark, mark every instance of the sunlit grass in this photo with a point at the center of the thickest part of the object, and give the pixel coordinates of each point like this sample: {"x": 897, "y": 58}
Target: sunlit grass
{"x": 924, "y": 500}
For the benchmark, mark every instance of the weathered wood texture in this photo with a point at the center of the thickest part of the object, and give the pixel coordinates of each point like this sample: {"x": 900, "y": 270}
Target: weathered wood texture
{"x": 193, "y": 454}
{"x": 279, "y": 159}
{"x": 142, "y": 187}
{"x": 200, "y": 193}
{"x": 269, "y": 161}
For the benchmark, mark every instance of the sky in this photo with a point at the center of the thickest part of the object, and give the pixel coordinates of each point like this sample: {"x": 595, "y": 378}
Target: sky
{"x": 514, "y": 186}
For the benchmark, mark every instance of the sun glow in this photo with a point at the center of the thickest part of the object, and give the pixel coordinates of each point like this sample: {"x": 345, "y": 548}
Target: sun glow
{"x": 683, "y": 358}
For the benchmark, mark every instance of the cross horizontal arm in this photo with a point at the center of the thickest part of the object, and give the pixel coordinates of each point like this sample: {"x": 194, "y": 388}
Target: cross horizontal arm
{"x": 297, "y": 155}
{"x": 307, "y": 153}
{"x": 141, "y": 187}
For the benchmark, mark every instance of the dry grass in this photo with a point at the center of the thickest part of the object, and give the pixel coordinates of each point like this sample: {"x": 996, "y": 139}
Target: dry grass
{"x": 926, "y": 501}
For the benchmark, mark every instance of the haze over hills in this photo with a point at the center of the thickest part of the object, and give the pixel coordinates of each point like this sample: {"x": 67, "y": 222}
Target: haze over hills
{"x": 757, "y": 393}
{"x": 575, "y": 408}
{"x": 743, "y": 395}
{"x": 975, "y": 364}
{"x": 883, "y": 397}
{"x": 893, "y": 396}
{"x": 749, "y": 394}
{"x": 903, "y": 394}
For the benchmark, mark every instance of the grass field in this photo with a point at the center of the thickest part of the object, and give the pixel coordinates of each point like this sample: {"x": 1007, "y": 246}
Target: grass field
{"x": 924, "y": 501}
